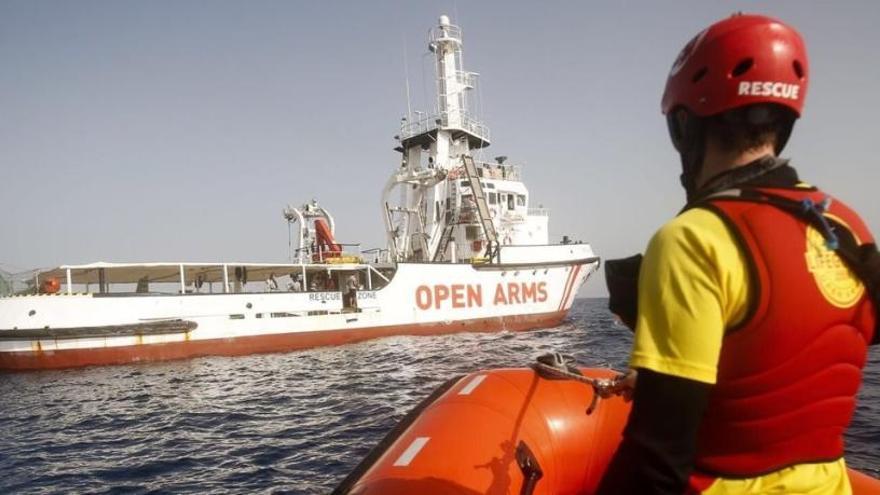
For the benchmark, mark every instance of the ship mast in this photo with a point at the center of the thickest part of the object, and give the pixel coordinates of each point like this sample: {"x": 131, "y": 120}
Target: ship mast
{"x": 453, "y": 85}
{"x": 432, "y": 147}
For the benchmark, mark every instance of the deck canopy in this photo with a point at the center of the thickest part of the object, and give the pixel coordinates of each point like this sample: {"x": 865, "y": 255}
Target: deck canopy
{"x": 124, "y": 273}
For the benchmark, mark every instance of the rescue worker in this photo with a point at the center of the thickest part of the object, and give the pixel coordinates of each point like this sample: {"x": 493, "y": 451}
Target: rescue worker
{"x": 271, "y": 283}
{"x": 351, "y": 287}
{"x": 754, "y": 306}
{"x": 295, "y": 284}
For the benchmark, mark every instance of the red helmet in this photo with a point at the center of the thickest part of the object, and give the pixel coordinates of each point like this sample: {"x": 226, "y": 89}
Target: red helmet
{"x": 742, "y": 60}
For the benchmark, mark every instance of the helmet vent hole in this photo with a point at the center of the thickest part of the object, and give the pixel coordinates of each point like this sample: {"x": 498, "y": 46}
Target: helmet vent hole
{"x": 699, "y": 75}
{"x": 798, "y": 69}
{"x": 742, "y": 67}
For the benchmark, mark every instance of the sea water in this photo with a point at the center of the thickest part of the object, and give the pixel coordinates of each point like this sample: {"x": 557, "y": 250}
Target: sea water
{"x": 278, "y": 423}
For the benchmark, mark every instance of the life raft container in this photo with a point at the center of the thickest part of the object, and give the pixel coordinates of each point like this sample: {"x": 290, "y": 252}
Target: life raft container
{"x": 505, "y": 431}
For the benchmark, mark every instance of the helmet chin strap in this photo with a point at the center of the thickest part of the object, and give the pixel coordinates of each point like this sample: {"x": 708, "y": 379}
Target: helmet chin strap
{"x": 689, "y": 138}
{"x": 691, "y": 165}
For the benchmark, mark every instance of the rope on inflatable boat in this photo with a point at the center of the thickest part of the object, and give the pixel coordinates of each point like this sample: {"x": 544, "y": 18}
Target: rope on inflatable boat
{"x": 562, "y": 366}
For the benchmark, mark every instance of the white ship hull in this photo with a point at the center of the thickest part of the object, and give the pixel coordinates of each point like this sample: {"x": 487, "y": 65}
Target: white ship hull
{"x": 465, "y": 252}
{"x": 58, "y": 331}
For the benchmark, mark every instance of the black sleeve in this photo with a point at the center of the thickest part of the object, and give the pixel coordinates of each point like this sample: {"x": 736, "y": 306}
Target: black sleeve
{"x": 622, "y": 279}
{"x": 864, "y": 261}
{"x": 869, "y": 272}
{"x": 659, "y": 442}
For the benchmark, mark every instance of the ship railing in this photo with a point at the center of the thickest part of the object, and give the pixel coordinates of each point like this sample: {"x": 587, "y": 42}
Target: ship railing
{"x": 490, "y": 170}
{"x": 468, "y": 215}
{"x": 423, "y": 125}
{"x": 512, "y": 216}
{"x": 154, "y": 279}
{"x": 377, "y": 255}
{"x": 458, "y": 120}
{"x": 475, "y": 127}
{"x": 466, "y": 78}
{"x": 17, "y": 284}
{"x": 349, "y": 253}
{"x": 446, "y": 32}
{"x": 539, "y": 212}
{"x": 5, "y": 284}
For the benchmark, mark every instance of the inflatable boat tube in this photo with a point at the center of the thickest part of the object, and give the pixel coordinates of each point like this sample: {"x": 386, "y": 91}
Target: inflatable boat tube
{"x": 506, "y": 431}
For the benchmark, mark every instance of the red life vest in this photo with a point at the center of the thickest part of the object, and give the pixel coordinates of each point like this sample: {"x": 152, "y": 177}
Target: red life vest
{"x": 788, "y": 375}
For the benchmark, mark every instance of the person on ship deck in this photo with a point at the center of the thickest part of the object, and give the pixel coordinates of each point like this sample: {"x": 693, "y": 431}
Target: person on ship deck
{"x": 351, "y": 287}
{"x": 271, "y": 283}
{"x": 295, "y": 284}
{"x": 755, "y": 306}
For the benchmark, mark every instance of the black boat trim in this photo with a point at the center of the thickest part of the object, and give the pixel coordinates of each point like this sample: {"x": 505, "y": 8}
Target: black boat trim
{"x": 162, "y": 327}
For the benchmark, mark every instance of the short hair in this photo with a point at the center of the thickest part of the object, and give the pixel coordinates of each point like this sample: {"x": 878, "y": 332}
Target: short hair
{"x": 747, "y": 128}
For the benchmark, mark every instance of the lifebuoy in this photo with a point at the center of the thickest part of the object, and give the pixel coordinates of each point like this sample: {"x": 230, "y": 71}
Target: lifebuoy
{"x": 50, "y": 286}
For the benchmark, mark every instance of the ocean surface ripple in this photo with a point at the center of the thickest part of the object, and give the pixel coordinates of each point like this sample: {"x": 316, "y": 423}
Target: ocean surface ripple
{"x": 278, "y": 423}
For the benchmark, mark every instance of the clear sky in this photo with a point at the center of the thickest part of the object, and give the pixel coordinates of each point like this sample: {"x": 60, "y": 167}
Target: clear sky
{"x": 177, "y": 131}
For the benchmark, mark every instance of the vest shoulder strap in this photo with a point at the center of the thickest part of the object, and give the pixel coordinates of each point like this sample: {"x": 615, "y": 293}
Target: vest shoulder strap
{"x": 862, "y": 259}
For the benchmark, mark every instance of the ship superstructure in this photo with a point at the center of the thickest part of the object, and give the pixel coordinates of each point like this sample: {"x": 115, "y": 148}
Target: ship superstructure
{"x": 451, "y": 205}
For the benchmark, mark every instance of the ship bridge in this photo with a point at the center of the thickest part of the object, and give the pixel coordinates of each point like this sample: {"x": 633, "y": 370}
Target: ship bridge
{"x": 452, "y": 205}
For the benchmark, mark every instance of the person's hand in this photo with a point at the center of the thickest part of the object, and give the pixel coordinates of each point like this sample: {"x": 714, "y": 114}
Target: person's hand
{"x": 625, "y": 384}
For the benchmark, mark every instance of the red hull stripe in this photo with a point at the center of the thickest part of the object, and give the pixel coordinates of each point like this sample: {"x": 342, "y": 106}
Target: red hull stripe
{"x": 569, "y": 285}
{"x": 257, "y": 344}
{"x": 571, "y": 290}
{"x": 565, "y": 289}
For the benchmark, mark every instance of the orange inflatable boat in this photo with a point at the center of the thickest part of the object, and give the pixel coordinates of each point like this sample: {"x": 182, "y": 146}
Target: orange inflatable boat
{"x": 507, "y": 431}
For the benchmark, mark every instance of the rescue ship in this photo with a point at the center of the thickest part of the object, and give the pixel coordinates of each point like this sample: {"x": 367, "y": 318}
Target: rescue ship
{"x": 465, "y": 252}
{"x": 551, "y": 429}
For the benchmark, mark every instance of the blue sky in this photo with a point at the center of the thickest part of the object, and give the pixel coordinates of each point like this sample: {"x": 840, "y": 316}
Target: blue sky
{"x": 134, "y": 131}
